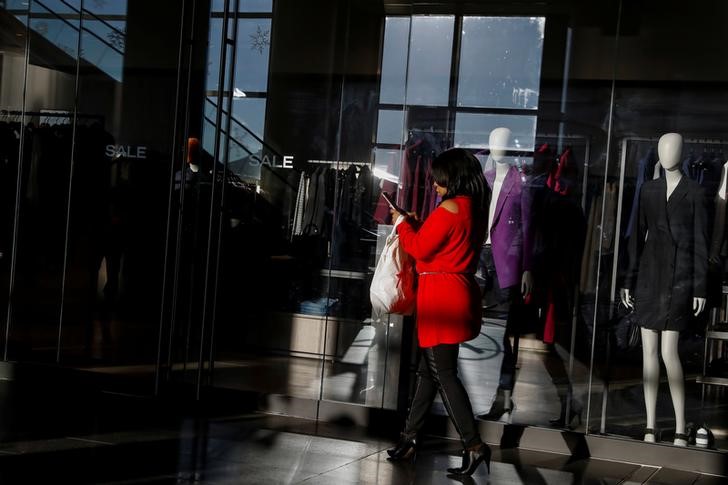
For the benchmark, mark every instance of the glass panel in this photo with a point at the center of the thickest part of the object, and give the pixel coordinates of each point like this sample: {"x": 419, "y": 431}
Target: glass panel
{"x": 394, "y": 60}
{"x": 389, "y": 126}
{"x": 430, "y": 56}
{"x": 213, "y": 54}
{"x": 676, "y": 375}
{"x": 105, "y": 7}
{"x": 303, "y": 326}
{"x": 244, "y": 5}
{"x": 62, "y": 33}
{"x": 17, "y": 5}
{"x": 119, "y": 194}
{"x": 472, "y": 130}
{"x": 246, "y": 152}
{"x": 103, "y": 46}
{"x": 12, "y": 71}
{"x": 251, "y": 64}
{"x": 264, "y": 338}
{"x": 41, "y": 243}
{"x": 387, "y": 164}
{"x": 500, "y": 62}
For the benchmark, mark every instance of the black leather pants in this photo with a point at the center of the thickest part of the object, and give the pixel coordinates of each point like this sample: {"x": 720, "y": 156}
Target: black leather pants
{"x": 438, "y": 371}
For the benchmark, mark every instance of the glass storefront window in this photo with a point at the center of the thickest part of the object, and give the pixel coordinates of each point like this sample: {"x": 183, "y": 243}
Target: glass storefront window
{"x": 394, "y": 60}
{"x": 245, "y": 5}
{"x": 500, "y": 62}
{"x": 389, "y": 126}
{"x": 472, "y": 130}
{"x": 430, "y": 58}
{"x": 251, "y": 71}
{"x": 268, "y": 199}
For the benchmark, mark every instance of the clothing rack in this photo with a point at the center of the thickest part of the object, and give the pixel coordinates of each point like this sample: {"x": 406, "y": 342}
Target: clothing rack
{"x": 18, "y": 115}
{"x": 339, "y": 163}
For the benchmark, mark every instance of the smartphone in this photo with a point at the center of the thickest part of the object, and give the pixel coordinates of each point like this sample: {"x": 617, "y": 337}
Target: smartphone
{"x": 390, "y": 200}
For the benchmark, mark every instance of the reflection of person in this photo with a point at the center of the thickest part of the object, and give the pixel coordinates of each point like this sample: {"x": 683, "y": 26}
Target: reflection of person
{"x": 507, "y": 255}
{"x": 445, "y": 248}
{"x": 670, "y": 247}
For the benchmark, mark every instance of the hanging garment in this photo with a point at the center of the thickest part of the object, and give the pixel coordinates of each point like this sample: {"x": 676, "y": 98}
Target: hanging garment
{"x": 564, "y": 177}
{"x": 301, "y": 198}
{"x": 314, "y": 212}
{"x": 668, "y": 254}
{"x": 362, "y": 198}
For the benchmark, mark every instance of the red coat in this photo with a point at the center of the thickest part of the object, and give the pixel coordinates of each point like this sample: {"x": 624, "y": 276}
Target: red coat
{"x": 446, "y": 249}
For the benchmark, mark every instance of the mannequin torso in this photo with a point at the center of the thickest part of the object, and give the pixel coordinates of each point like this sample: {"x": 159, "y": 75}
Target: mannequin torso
{"x": 501, "y": 170}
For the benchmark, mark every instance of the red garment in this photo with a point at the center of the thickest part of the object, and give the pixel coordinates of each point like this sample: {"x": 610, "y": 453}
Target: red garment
{"x": 449, "y": 301}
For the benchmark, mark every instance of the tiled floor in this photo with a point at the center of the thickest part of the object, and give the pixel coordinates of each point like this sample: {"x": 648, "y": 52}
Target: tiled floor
{"x": 265, "y": 449}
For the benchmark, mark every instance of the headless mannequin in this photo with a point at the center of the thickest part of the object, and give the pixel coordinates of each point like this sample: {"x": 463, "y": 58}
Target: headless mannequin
{"x": 669, "y": 149}
{"x": 498, "y": 142}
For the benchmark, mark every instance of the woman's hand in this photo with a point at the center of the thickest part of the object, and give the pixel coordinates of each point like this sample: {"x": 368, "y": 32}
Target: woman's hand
{"x": 396, "y": 215}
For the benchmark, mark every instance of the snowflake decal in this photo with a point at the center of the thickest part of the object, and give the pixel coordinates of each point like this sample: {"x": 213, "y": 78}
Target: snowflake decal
{"x": 117, "y": 39}
{"x": 259, "y": 40}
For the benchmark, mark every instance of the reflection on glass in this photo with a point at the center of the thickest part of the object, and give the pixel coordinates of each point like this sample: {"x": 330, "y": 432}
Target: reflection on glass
{"x": 103, "y": 46}
{"x": 246, "y": 128}
{"x": 103, "y": 29}
{"x": 100, "y": 7}
{"x": 428, "y": 77}
{"x": 394, "y": 60}
{"x": 12, "y": 62}
{"x": 61, "y": 32}
{"x": 387, "y": 164}
{"x": 213, "y": 54}
{"x": 244, "y": 5}
{"x": 41, "y": 237}
{"x": 251, "y": 63}
{"x": 55, "y": 6}
{"x": 500, "y": 62}
{"x": 473, "y": 129}
{"x": 389, "y": 126}
{"x": 17, "y": 5}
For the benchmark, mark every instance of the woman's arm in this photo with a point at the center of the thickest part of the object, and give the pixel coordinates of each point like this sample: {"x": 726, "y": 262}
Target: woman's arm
{"x": 424, "y": 243}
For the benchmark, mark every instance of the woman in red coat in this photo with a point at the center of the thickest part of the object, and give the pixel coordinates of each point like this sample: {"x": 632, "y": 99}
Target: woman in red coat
{"x": 446, "y": 248}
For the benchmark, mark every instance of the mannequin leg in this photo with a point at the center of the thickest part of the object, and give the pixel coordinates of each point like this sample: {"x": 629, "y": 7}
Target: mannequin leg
{"x": 650, "y": 377}
{"x": 676, "y": 380}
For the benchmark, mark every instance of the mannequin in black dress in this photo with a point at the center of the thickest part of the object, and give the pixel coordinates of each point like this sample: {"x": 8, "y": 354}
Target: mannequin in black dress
{"x": 670, "y": 248}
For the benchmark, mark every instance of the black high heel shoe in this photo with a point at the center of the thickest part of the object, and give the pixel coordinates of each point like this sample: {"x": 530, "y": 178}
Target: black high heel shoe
{"x": 471, "y": 460}
{"x": 561, "y": 422}
{"x": 405, "y": 449}
{"x": 656, "y": 435}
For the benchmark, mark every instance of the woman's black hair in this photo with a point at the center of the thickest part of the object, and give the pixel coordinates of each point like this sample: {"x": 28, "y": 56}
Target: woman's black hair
{"x": 460, "y": 173}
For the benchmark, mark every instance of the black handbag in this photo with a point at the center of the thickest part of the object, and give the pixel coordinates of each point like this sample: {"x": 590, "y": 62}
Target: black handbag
{"x": 627, "y": 330}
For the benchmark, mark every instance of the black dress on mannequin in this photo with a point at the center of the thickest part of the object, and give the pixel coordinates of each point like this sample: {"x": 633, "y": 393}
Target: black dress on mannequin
{"x": 668, "y": 254}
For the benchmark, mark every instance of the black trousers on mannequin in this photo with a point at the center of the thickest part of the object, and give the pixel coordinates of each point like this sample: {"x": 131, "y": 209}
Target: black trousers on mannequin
{"x": 510, "y": 296}
{"x": 438, "y": 372}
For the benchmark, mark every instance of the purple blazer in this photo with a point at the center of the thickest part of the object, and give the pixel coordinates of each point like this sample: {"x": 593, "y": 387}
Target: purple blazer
{"x": 511, "y": 237}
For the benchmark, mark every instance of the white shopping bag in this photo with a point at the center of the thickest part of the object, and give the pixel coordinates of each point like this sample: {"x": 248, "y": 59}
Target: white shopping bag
{"x": 393, "y": 285}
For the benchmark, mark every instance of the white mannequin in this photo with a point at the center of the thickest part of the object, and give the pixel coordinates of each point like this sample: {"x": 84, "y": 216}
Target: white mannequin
{"x": 498, "y": 143}
{"x": 669, "y": 150}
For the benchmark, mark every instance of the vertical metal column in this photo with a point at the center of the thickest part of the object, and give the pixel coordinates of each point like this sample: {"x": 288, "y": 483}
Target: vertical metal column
{"x": 226, "y": 161}
{"x": 215, "y": 158}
